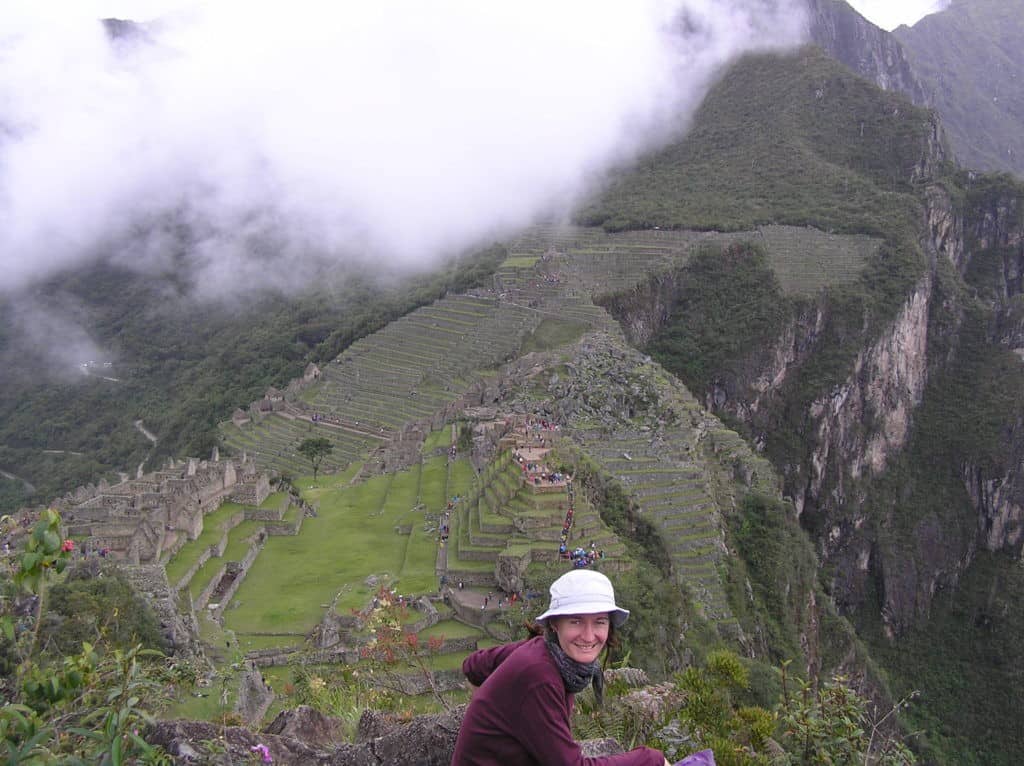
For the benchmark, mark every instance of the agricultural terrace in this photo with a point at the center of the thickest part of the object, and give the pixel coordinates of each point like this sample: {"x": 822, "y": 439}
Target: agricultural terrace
{"x": 402, "y": 530}
{"x": 377, "y": 527}
{"x": 542, "y": 295}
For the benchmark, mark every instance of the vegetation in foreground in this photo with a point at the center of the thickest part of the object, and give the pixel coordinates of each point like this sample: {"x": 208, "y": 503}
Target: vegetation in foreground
{"x": 91, "y": 706}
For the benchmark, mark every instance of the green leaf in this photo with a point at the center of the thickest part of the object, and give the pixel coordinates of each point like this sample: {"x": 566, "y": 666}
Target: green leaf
{"x": 51, "y": 541}
{"x": 29, "y": 561}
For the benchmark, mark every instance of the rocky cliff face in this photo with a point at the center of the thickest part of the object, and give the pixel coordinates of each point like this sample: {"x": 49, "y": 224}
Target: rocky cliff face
{"x": 969, "y": 57}
{"x": 854, "y": 431}
{"x": 645, "y": 309}
{"x": 999, "y": 499}
{"x": 304, "y": 737}
{"x": 859, "y": 425}
{"x": 994, "y": 232}
{"x": 869, "y": 51}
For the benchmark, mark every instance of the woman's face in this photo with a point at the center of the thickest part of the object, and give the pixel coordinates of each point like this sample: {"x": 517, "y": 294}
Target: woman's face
{"x": 582, "y": 636}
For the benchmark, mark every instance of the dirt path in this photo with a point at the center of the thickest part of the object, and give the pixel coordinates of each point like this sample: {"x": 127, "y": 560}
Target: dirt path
{"x": 149, "y": 435}
{"x": 142, "y": 430}
{"x": 29, "y": 486}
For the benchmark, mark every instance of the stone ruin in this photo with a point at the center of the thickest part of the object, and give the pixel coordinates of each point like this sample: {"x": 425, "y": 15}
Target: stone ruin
{"x": 140, "y": 520}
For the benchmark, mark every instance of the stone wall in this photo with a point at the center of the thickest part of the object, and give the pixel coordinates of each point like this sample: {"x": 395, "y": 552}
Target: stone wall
{"x": 254, "y": 696}
{"x": 178, "y": 625}
{"x": 285, "y": 527}
{"x": 252, "y": 491}
{"x": 242, "y": 569}
{"x": 203, "y": 599}
{"x": 132, "y": 519}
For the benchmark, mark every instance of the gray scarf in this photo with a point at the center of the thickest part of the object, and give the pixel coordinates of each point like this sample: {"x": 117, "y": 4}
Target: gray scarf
{"x": 575, "y": 675}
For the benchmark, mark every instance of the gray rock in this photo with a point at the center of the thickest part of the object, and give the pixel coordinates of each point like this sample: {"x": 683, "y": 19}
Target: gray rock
{"x": 306, "y": 724}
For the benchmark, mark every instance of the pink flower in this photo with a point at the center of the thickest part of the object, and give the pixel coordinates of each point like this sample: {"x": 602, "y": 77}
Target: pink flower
{"x": 67, "y": 546}
{"x": 263, "y": 751}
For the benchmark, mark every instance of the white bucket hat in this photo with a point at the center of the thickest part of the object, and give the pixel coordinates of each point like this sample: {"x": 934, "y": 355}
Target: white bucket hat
{"x": 584, "y": 591}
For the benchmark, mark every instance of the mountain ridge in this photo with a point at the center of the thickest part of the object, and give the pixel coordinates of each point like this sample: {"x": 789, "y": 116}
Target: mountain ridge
{"x": 878, "y": 399}
{"x": 968, "y": 55}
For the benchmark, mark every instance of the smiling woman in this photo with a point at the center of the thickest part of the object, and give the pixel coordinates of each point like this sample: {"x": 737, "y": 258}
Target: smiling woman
{"x": 520, "y": 713}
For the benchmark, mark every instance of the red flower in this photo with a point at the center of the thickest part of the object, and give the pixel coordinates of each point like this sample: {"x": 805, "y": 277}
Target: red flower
{"x": 67, "y": 546}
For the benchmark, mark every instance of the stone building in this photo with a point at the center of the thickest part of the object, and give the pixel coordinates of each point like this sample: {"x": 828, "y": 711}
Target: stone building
{"x": 138, "y": 520}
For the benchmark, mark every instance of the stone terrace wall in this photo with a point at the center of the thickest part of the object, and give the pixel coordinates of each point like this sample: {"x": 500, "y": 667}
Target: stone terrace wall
{"x": 134, "y": 519}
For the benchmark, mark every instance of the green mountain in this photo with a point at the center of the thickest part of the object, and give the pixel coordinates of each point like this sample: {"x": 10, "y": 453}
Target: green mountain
{"x": 890, "y": 404}
{"x": 970, "y": 58}
{"x": 783, "y": 352}
{"x": 179, "y": 366}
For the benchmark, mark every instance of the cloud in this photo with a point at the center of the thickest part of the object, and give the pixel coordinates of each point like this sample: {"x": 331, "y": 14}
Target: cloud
{"x": 46, "y": 338}
{"x": 279, "y": 137}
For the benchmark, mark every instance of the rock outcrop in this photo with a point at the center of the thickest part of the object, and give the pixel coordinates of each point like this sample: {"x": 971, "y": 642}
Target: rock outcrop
{"x": 869, "y": 51}
{"x": 853, "y": 431}
{"x": 304, "y": 737}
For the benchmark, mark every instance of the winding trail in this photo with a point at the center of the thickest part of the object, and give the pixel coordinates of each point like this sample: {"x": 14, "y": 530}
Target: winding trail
{"x": 29, "y": 486}
{"x": 142, "y": 430}
{"x": 149, "y": 435}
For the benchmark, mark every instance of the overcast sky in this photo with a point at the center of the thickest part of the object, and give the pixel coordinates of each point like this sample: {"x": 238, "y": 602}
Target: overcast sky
{"x": 889, "y": 14}
{"x": 391, "y": 129}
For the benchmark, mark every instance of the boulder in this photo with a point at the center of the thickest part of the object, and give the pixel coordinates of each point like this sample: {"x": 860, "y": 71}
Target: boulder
{"x": 307, "y": 725}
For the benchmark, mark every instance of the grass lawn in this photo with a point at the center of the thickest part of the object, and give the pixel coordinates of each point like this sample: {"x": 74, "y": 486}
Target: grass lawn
{"x": 292, "y": 514}
{"x": 433, "y": 484}
{"x": 446, "y": 661}
{"x": 456, "y": 564}
{"x": 240, "y": 540}
{"x": 273, "y": 501}
{"x": 248, "y": 643}
{"x": 352, "y": 537}
{"x": 462, "y": 475}
{"x": 436, "y": 439}
{"x": 210, "y": 705}
{"x": 293, "y": 576}
{"x": 552, "y": 333}
{"x": 417, "y": 575}
{"x": 204, "y": 575}
{"x": 325, "y": 481}
{"x": 403, "y": 496}
{"x": 213, "y": 525}
{"x": 452, "y": 629}
{"x": 282, "y": 676}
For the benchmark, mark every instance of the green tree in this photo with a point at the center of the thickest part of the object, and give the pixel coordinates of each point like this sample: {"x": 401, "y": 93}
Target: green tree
{"x": 316, "y": 450}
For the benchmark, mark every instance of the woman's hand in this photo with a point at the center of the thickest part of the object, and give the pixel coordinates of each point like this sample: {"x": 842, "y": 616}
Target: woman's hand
{"x": 667, "y": 763}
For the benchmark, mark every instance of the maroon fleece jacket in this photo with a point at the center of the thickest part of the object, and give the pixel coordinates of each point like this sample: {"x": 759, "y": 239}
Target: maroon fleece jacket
{"x": 520, "y": 714}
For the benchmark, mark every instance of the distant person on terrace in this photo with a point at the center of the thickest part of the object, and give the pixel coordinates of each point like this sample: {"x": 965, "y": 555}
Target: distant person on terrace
{"x": 523, "y": 692}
